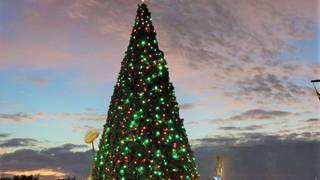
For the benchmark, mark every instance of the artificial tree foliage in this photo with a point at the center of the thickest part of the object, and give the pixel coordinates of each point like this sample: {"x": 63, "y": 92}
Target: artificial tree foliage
{"x": 144, "y": 137}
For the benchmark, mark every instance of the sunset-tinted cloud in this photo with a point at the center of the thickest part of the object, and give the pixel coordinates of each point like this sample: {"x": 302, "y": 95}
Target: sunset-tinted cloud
{"x": 59, "y": 161}
{"x": 255, "y": 150}
{"x": 46, "y": 116}
{"x": 15, "y": 117}
{"x": 43, "y": 173}
{"x": 241, "y": 71}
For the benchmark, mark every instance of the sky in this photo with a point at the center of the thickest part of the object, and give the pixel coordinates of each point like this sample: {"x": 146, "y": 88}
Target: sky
{"x": 241, "y": 72}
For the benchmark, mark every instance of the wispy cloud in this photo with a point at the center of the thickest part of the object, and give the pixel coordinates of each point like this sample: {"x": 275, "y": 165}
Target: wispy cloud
{"x": 238, "y": 128}
{"x": 83, "y": 128}
{"x": 186, "y": 106}
{"x": 15, "y": 117}
{"x": 49, "y": 116}
{"x": 252, "y": 138}
{"x": 18, "y": 142}
{"x": 313, "y": 120}
{"x": 39, "y": 81}
{"x": 255, "y": 114}
{"x": 267, "y": 86}
{"x": 36, "y": 55}
{"x": 4, "y": 135}
{"x": 83, "y": 116}
{"x": 65, "y": 148}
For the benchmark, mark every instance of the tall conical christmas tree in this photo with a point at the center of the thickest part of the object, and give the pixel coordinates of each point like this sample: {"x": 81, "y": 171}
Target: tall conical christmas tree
{"x": 144, "y": 137}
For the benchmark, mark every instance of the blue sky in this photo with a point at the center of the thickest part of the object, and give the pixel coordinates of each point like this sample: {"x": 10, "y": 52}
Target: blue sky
{"x": 305, "y": 49}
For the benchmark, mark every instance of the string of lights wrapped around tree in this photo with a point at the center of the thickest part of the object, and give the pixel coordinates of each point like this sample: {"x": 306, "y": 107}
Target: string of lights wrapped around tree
{"x": 144, "y": 137}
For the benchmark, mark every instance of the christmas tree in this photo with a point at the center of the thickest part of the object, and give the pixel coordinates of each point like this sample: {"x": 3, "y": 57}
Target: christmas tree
{"x": 144, "y": 137}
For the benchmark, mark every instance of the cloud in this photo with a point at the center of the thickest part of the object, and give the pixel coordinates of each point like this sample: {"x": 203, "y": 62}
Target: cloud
{"x": 35, "y": 55}
{"x": 254, "y": 138}
{"x": 83, "y": 128}
{"x": 274, "y": 159}
{"x": 18, "y": 117}
{"x": 193, "y": 122}
{"x": 83, "y": 116}
{"x": 226, "y": 29}
{"x": 256, "y": 114}
{"x": 39, "y": 81}
{"x": 18, "y": 142}
{"x": 90, "y": 109}
{"x": 58, "y": 116}
{"x": 186, "y": 106}
{"x": 245, "y": 31}
{"x": 45, "y": 173}
{"x": 58, "y": 159}
{"x": 219, "y": 140}
{"x": 99, "y": 13}
{"x": 65, "y": 148}
{"x": 4, "y": 135}
{"x": 246, "y": 128}
{"x": 225, "y": 51}
{"x": 294, "y": 155}
{"x": 266, "y": 155}
{"x": 231, "y": 42}
{"x": 313, "y": 120}
{"x": 267, "y": 86}
{"x": 226, "y": 44}
{"x": 260, "y": 114}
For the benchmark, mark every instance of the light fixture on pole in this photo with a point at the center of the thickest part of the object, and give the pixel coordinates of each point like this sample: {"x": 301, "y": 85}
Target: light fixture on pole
{"x": 315, "y": 87}
{"x": 89, "y": 138}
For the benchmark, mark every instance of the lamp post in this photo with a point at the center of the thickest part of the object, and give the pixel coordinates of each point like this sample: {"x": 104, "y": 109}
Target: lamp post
{"x": 315, "y": 88}
{"x": 89, "y": 138}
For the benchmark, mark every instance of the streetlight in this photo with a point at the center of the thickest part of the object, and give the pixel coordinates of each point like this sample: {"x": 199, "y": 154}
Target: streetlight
{"x": 89, "y": 138}
{"x": 315, "y": 87}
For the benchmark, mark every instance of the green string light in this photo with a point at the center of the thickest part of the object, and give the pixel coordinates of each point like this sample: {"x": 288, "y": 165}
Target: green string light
{"x": 143, "y": 122}
{"x": 143, "y": 43}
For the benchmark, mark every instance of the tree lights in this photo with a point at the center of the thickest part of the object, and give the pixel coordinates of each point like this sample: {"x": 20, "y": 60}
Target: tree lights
{"x": 144, "y": 137}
